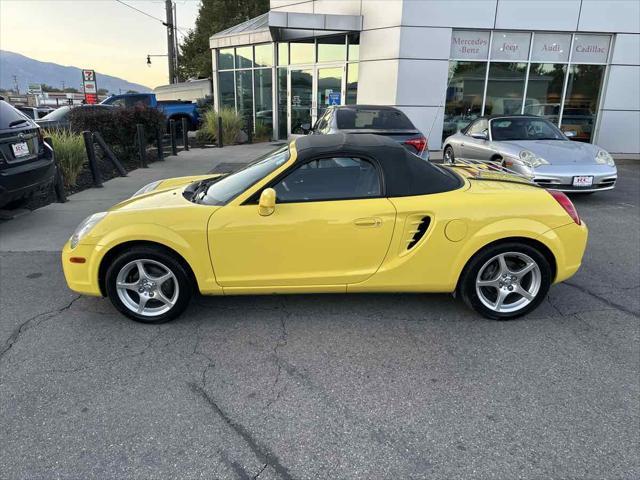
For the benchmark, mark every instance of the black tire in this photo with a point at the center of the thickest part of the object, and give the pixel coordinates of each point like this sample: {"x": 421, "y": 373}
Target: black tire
{"x": 448, "y": 150}
{"x": 467, "y": 284}
{"x": 157, "y": 258}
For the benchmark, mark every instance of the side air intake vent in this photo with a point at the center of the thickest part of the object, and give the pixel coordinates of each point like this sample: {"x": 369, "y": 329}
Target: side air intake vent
{"x": 419, "y": 228}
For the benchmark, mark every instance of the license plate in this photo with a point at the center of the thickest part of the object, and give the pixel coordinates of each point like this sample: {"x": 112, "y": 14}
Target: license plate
{"x": 20, "y": 149}
{"x": 582, "y": 181}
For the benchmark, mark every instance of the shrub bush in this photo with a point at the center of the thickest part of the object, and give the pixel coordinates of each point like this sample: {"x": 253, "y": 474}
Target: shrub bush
{"x": 232, "y": 125}
{"x": 70, "y": 152}
{"x": 263, "y": 131}
{"x": 118, "y": 126}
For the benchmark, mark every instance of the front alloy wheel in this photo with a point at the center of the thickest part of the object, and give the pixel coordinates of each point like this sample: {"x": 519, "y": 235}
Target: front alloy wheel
{"x": 148, "y": 285}
{"x": 506, "y": 281}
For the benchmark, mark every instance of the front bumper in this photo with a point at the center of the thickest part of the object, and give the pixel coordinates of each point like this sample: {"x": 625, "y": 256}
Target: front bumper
{"x": 561, "y": 177}
{"x": 82, "y": 277}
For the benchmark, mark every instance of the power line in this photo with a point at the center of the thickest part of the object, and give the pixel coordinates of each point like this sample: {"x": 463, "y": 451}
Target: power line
{"x": 142, "y": 12}
{"x": 179, "y": 29}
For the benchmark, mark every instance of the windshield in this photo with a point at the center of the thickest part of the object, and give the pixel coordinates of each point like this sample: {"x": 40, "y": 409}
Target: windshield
{"x": 229, "y": 187}
{"x": 505, "y": 129}
{"x": 58, "y": 114}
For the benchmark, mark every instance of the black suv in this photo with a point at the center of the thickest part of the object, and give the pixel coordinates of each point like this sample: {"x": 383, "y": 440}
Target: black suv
{"x": 27, "y": 164}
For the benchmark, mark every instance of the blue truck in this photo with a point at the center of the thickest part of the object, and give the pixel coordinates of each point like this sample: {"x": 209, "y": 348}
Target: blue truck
{"x": 172, "y": 109}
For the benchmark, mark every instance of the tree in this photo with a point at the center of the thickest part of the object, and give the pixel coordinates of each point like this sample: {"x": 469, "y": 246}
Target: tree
{"x": 103, "y": 91}
{"x": 132, "y": 91}
{"x": 70, "y": 90}
{"x": 214, "y": 16}
{"x": 49, "y": 88}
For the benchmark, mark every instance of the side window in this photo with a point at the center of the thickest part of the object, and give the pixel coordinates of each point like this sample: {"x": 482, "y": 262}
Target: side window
{"x": 118, "y": 103}
{"x": 137, "y": 101}
{"x": 478, "y": 127}
{"x": 338, "y": 178}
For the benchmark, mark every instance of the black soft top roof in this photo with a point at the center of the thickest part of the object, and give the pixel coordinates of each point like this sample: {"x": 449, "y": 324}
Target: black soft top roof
{"x": 405, "y": 174}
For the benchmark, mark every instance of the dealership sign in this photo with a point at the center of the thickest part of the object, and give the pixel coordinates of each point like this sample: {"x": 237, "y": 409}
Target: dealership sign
{"x": 90, "y": 86}
{"x": 591, "y": 48}
{"x": 551, "y": 47}
{"x": 469, "y": 45}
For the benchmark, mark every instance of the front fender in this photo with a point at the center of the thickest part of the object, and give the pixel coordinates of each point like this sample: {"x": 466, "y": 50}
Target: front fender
{"x": 191, "y": 246}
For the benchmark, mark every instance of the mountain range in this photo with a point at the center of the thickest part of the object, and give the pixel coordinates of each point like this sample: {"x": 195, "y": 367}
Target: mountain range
{"x": 27, "y": 70}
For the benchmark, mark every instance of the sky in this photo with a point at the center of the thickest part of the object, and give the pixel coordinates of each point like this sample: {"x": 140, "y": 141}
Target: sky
{"x": 103, "y": 35}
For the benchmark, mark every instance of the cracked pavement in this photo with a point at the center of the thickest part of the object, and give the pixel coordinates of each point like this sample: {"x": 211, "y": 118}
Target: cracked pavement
{"x": 329, "y": 386}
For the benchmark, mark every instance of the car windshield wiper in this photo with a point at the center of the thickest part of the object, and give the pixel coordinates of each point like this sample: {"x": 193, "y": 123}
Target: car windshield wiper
{"x": 18, "y": 122}
{"x": 194, "y": 190}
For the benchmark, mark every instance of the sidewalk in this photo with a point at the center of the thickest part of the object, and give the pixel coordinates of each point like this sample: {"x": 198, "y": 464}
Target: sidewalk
{"x": 49, "y": 227}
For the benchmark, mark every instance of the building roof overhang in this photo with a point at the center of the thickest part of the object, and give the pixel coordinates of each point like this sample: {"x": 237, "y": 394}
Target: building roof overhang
{"x": 282, "y": 26}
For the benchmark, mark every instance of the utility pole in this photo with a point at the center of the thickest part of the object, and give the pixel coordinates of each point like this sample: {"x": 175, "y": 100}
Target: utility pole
{"x": 15, "y": 84}
{"x": 170, "y": 41}
{"x": 175, "y": 40}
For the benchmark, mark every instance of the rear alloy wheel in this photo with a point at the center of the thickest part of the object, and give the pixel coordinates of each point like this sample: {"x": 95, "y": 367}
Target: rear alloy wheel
{"x": 148, "y": 285}
{"x": 506, "y": 281}
{"x": 448, "y": 156}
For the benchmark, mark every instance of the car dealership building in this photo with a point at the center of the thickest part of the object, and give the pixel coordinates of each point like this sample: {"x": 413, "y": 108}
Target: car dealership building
{"x": 443, "y": 62}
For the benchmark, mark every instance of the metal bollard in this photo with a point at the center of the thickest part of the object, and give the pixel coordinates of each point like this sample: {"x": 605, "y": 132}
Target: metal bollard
{"x": 250, "y": 129}
{"x": 172, "y": 130}
{"x": 142, "y": 145}
{"x": 159, "y": 145}
{"x": 219, "y": 132}
{"x": 185, "y": 134}
{"x": 109, "y": 153}
{"x": 91, "y": 157}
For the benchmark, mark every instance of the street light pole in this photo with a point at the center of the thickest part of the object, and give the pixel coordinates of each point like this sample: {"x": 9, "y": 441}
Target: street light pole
{"x": 170, "y": 41}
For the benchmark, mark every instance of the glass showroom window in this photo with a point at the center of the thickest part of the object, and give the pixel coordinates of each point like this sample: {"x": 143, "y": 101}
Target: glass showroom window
{"x": 244, "y": 93}
{"x": 464, "y": 95}
{"x": 467, "y": 76}
{"x": 282, "y": 103}
{"x": 227, "y": 89}
{"x": 555, "y": 75}
{"x": 507, "y": 73}
{"x": 581, "y": 100}
{"x": 262, "y": 87}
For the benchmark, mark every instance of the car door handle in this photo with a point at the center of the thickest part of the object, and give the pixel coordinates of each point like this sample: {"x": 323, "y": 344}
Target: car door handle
{"x": 367, "y": 222}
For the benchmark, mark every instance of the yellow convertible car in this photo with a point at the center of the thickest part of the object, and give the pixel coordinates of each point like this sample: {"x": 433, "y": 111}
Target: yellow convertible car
{"x": 330, "y": 213}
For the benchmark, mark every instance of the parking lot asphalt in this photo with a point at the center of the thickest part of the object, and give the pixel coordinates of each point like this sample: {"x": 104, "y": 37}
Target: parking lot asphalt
{"x": 327, "y": 386}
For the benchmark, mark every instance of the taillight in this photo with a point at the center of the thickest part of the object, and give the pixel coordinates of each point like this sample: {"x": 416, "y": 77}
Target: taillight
{"x": 567, "y": 204}
{"x": 419, "y": 143}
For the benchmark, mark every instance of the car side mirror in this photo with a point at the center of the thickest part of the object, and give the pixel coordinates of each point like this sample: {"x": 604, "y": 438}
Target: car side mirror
{"x": 570, "y": 133}
{"x": 305, "y": 127}
{"x": 267, "y": 204}
{"x": 480, "y": 135}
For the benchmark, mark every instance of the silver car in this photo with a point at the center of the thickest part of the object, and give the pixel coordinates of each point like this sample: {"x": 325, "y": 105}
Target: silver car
{"x": 534, "y": 147}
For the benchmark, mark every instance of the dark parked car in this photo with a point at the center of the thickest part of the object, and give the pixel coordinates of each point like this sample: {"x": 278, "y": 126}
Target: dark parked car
{"x": 380, "y": 120}
{"x": 27, "y": 165}
{"x": 60, "y": 118}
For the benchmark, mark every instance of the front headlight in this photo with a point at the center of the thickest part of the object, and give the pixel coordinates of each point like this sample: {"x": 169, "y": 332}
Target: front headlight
{"x": 147, "y": 188}
{"x": 85, "y": 227}
{"x": 530, "y": 159}
{"x": 604, "y": 158}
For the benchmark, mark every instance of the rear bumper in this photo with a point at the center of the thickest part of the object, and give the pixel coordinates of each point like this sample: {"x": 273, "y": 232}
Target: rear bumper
{"x": 21, "y": 181}
{"x": 568, "y": 244}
